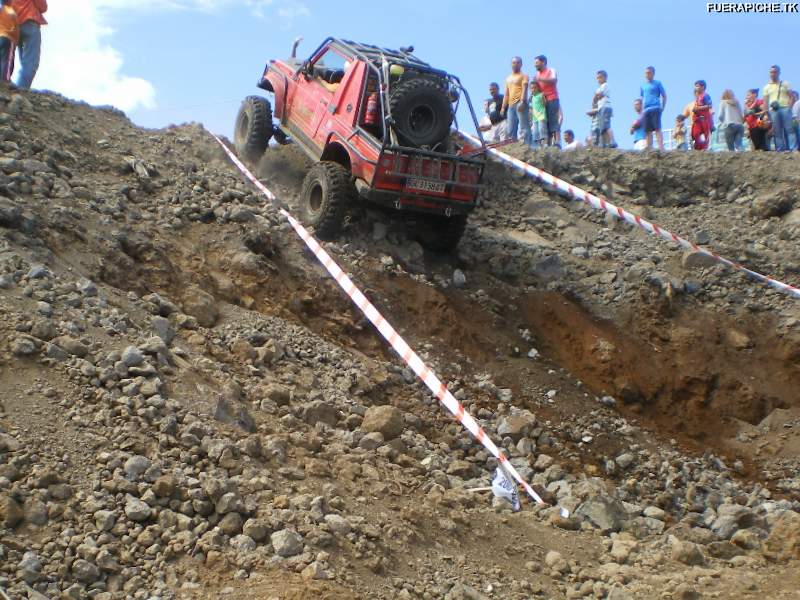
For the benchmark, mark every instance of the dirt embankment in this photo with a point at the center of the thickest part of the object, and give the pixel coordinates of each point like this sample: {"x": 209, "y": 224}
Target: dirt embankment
{"x": 188, "y": 406}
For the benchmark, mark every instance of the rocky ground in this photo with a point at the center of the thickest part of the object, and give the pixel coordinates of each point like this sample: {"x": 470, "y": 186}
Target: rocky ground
{"x": 190, "y": 408}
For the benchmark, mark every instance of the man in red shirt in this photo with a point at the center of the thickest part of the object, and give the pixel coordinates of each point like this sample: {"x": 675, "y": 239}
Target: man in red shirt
{"x": 30, "y": 19}
{"x": 548, "y": 83}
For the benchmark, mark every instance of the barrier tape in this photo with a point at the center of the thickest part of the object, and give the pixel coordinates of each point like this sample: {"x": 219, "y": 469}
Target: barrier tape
{"x": 406, "y": 353}
{"x": 600, "y": 203}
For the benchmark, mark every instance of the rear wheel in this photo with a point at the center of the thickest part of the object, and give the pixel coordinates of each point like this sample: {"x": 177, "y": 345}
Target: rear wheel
{"x": 439, "y": 233}
{"x": 326, "y": 193}
{"x": 253, "y": 128}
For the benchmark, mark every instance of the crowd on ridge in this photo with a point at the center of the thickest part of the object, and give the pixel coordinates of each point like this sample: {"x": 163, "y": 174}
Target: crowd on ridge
{"x": 20, "y": 29}
{"x": 528, "y": 109}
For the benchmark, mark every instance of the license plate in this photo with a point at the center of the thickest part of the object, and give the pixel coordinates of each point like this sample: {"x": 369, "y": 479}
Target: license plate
{"x": 425, "y": 185}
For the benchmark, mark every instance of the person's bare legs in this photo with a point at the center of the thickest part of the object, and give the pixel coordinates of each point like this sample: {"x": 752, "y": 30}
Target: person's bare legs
{"x": 648, "y": 140}
{"x": 660, "y": 139}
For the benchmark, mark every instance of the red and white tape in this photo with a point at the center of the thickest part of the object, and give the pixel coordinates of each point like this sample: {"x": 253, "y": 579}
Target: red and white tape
{"x": 389, "y": 333}
{"x": 602, "y": 204}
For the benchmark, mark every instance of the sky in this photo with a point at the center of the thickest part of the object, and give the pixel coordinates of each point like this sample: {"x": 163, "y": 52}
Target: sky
{"x": 174, "y": 61}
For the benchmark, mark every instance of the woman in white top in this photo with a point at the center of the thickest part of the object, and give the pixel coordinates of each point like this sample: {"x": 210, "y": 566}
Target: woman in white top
{"x": 731, "y": 120}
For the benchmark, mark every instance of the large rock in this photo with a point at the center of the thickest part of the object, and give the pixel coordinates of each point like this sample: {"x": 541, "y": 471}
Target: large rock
{"x": 783, "y": 543}
{"x": 320, "y": 411}
{"x": 286, "y": 543}
{"x": 687, "y": 552}
{"x": 201, "y": 306}
{"x": 516, "y": 426}
{"x": 772, "y": 205}
{"x": 604, "y": 513}
{"x": 386, "y": 420}
{"x": 136, "y": 510}
{"x": 10, "y": 512}
{"x": 85, "y": 571}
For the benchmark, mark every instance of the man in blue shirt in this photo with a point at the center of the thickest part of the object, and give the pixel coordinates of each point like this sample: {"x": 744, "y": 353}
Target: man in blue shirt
{"x": 652, "y": 93}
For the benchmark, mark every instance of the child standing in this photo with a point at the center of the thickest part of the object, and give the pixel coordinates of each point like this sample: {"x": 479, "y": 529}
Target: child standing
{"x": 679, "y": 133}
{"x": 9, "y": 38}
{"x": 701, "y": 125}
{"x": 539, "y": 133}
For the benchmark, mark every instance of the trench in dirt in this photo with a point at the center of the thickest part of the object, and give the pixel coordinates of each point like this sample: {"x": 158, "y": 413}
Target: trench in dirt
{"x": 693, "y": 375}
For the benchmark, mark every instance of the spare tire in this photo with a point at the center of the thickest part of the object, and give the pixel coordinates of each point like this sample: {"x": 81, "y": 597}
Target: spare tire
{"x": 421, "y": 111}
{"x": 253, "y": 128}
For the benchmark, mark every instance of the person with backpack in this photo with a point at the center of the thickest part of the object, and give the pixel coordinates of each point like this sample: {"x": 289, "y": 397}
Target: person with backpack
{"x": 30, "y": 18}
{"x": 778, "y": 100}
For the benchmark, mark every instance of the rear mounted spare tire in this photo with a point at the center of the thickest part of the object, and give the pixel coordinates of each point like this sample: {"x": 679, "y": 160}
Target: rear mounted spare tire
{"x": 440, "y": 233}
{"x": 421, "y": 112}
{"x": 253, "y": 128}
{"x": 327, "y": 191}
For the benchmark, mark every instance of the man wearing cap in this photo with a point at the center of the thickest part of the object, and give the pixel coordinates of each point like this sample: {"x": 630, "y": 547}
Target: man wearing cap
{"x": 30, "y": 19}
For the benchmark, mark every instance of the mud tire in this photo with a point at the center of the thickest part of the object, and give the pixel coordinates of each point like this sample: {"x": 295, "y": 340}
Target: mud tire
{"x": 325, "y": 196}
{"x": 253, "y": 128}
{"x": 441, "y": 234}
{"x": 421, "y": 112}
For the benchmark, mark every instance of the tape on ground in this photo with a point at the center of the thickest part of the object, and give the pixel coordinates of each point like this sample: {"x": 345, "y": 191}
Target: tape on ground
{"x": 600, "y": 203}
{"x": 406, "y": 353}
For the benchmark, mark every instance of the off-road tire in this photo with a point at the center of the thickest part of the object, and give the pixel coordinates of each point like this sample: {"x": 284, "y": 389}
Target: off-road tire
{"x": 327, "y": 191}
{"x": 253, "y": 128}
{"x": 439, "y": 233}
{"x": 421, "y": 112}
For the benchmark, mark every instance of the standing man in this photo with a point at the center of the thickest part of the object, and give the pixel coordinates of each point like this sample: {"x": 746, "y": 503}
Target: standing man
{"x": 515, "y": 103}
{"x": 493, "y": 124}
{"x": 652, "y": 93}
{"x": 547, "y": 79}
{"x": 778, "y": 100}
{"x": 29, "y": 15}
{"x": 602, "y": 98}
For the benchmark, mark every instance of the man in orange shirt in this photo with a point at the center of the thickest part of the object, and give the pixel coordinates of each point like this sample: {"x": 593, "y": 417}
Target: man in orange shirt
{"x": 9, "y": 36}
{"x": 29, "y": 16}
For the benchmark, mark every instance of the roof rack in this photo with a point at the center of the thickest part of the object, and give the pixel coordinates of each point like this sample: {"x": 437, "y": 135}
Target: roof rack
{"x": 376, "y": 54}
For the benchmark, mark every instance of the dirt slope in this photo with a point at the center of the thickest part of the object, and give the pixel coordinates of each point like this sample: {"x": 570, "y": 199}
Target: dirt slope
{"x": 189, "y": 407}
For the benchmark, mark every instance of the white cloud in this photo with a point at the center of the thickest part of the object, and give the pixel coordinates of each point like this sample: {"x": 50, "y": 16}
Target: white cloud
{"x": 80, "y": 61}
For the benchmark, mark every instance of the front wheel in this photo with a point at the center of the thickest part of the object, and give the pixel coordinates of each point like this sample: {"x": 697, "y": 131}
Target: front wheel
{"x": 253, "y": 128}
{"x": 441, "y": 234}
{"x": 326, "y": 194}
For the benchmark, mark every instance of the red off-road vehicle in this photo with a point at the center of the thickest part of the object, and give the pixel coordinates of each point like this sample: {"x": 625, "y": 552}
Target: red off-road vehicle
{"x": 377, "y": 124}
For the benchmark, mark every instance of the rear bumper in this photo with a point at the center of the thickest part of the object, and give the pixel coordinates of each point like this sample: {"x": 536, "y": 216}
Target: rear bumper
{"x": 404, "y": 201}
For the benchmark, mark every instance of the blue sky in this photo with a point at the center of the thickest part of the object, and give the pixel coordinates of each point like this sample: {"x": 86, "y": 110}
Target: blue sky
{"x": 173, "y": 61}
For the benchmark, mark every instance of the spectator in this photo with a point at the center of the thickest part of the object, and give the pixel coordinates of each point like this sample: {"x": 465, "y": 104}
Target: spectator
{"x": 9, "y": 37}
{"x": 755, "y": 116}
{"x": 570, "y": 141}
{"x": 796, "y": 120}
{"x": 731, "y": 120}
{"x": 29, "y": 16}
{"x": 515, "y": 103}
{"x": 493, "y": 124}
{"x": 655, "y": 101}
{"x": 701, "y": 111}
{"x": 547, "y": 79}
{"x": 602, "y": 100}
{"x": 679, "y": 133}
{"x": 637, "y": 129}
{"x": 778, "y": 98}
{"x": 539, "y": 134}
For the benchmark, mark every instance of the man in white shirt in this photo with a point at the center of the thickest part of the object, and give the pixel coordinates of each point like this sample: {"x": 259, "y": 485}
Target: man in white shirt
{"x": 570, "y": 142}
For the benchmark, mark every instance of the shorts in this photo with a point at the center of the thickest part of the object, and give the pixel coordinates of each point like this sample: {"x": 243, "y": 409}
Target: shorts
{"x": 652, "y": 120}
{"x": 552, "y": 109}
{"x": 604, "y": 119}
{"x": 640, "y": 144}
